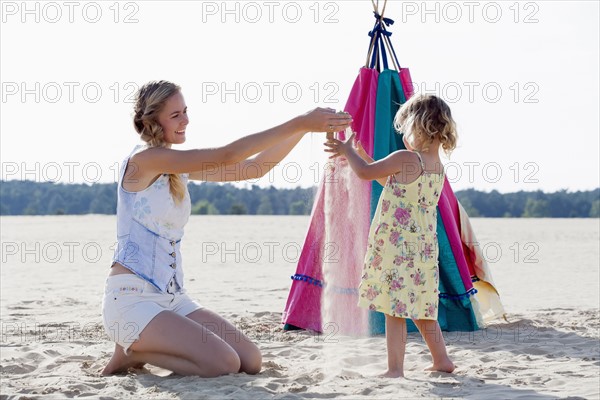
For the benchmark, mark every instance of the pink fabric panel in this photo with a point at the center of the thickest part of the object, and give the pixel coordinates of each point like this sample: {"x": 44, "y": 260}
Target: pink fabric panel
{"x": 450, "y": 216}
{"x": 407, "y": 85}
{"x": 347, "y": 220}
{"x": 453, "y": 202}
{"x": 303, "y": 308}
{"x": 361, "y": 105}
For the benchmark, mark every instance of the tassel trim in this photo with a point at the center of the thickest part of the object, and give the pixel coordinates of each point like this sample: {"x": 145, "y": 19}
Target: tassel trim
{"x": 308, "y": 279}
{"x": 319, "y": 283}
{"x": 470, "y": 292}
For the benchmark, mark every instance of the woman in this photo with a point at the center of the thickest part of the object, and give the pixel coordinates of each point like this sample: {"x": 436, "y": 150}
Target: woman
{"x": 145, "y": 309}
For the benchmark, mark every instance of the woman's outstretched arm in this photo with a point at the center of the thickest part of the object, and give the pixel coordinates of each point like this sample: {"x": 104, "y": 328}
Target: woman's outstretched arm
{"x": 251, "y": 168}
{"x": 165, "y": 160}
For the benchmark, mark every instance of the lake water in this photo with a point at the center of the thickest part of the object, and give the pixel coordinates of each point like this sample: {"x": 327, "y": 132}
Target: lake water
{"x": 239, "y": 264}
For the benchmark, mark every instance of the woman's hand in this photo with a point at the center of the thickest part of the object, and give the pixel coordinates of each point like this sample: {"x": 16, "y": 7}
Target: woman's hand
{"x": 325, "y": 120}
{"x": 339, "y": 148}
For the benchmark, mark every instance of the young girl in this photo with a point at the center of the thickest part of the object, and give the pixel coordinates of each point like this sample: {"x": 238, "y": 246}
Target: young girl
{"x": 145, "y": 309}
{"x": 400, "y": 276}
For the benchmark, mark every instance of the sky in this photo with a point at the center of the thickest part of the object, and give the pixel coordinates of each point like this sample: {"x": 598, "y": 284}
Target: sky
{"x": 521, "y": 78}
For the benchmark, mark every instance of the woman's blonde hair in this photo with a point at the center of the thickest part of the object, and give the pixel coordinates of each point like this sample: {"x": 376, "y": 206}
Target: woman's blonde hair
{"x": 149, "y": 102}
{"x": 429, "y": 117}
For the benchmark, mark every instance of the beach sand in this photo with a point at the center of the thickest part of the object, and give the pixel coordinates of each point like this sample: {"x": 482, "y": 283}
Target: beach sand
{"x": 53, "y": 344}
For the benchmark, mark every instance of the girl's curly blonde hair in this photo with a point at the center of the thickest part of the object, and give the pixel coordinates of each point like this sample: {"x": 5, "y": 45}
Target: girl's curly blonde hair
{"x": 428, "y": 117}
{"x": 149, "y": 102}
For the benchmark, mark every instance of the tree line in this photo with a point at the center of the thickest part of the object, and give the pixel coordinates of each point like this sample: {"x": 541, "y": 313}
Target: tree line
{"x": 33, "y": 198}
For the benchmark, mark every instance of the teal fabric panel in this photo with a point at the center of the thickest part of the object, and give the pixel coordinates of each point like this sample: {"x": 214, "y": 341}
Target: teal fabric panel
{"x": 455, "y": 311}
{"x": 390, "y": 96}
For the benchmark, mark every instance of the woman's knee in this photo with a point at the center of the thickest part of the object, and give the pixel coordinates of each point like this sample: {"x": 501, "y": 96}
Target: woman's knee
{"x": 223, "y": 364}
{"x": 252, "y": 363}
{"x": 228, "y": 362}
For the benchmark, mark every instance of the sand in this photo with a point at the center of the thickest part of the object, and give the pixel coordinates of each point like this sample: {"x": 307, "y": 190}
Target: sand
{"x": 53, "y": 344}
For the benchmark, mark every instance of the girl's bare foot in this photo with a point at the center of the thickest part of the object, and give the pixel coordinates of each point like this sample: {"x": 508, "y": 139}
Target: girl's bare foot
{"x": 120, "y": 362}
{"x": 442, "y": 367}
{"x": 392, "y": 374}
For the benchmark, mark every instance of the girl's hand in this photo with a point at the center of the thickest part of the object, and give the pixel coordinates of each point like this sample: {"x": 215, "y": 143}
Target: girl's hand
{"x": 339, "y": 148}
{"x": 325, "y": 120}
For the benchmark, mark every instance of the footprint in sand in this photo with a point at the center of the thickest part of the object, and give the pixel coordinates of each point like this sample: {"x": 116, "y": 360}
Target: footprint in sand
{"x": 297, "y": 388}
{"x": 348, "y": 374}
{"x": 490, "y": 376}
{"x": 17, "y": 369}
{"x": 284, "y": 353}
{"x": 80, "y": 358}
{"x": 262, "y": 314}
{"x": 271, "y": 369}
{"x": 486, "y": 359}
{"x": 272, "y": 364}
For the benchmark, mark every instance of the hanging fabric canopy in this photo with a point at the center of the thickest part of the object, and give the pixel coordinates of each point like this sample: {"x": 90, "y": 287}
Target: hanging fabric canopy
{"x": 324, "y": 295}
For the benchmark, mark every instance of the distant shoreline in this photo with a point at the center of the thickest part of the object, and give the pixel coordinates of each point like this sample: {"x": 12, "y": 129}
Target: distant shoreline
{"x": 275, "y": 216}
{"x": 47, "y": 198}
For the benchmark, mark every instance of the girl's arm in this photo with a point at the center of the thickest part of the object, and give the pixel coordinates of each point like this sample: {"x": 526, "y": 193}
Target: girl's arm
{"x": 168, "y": 161}
{"x": 251, "y": 168}
{"x": 369, "y": 160}
{"x": 377, "y": 170}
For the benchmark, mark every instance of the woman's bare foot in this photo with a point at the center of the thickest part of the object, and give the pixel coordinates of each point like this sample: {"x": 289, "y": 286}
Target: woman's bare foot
{"x": 392, "y": 374}
{"x": 447, "y": 366}
{"x": 120, "y": 362}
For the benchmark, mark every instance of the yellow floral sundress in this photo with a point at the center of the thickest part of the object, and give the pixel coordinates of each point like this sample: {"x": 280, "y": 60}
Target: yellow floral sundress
{"x": 400, "y": 275}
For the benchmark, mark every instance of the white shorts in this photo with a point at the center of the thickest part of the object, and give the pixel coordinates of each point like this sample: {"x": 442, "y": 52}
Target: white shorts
{"x": 130, "y": 303}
